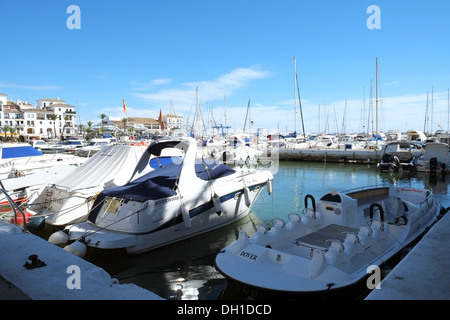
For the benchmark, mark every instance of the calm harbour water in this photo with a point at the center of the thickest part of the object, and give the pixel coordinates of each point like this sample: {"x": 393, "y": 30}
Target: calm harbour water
{"x": 186, "y": 270}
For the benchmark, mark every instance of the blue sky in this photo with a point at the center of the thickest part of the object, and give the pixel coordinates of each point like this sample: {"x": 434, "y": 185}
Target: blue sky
{"x": 153, "y": 52}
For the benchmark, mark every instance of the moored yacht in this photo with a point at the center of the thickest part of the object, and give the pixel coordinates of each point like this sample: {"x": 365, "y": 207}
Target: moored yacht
{"x": 179, "y": 197}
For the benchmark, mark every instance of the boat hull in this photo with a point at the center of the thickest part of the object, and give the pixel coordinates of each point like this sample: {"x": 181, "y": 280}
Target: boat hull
{"x": 203, "y": 218}
{"x": 303, "y": 258}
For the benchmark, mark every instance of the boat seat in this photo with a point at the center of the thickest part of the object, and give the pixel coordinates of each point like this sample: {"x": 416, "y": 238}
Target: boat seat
{"x": 319, "y": 238}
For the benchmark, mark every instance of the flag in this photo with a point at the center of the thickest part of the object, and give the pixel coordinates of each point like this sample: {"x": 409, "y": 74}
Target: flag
{"x": 160, "y": 120}
{"x": 124, "y": 106}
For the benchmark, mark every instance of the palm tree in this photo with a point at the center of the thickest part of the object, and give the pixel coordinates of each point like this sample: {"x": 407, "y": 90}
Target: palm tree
{"x": 124, "y": 121}
{"x": 54, "y": 117}
{"x": 81, "y": 129}
{"x": 89, "y": 128}
{"x": 66, "y": 118}
{"x": 103, "y": 116}
{"x": 5, "y": 129}
{"x": 12, "y": 130}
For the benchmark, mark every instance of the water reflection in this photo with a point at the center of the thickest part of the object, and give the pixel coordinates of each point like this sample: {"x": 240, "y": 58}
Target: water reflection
{"x": 184, "y": 270}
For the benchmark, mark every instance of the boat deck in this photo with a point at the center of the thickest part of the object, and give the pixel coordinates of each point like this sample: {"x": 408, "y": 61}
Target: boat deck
{"x": 319, "y": 238}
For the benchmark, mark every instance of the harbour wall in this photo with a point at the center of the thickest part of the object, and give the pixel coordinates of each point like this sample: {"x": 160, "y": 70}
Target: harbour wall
{"x": 332, "y": 155}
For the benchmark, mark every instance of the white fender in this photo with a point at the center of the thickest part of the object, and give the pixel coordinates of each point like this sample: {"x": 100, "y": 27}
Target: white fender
{"x": 269, "y": 187}
{"x": 77, "y": 248}
{"x": 59, "y": 238}
{"x": 247, "y": 196}
{"x": 216, "y": 201}
{"x": 186, "y": 216}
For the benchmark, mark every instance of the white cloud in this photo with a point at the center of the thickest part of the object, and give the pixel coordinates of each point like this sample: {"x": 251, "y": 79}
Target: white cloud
{"x": 401, "y": 112}
{"x": 138, "y": 86}
{"x": 209, "y": 90}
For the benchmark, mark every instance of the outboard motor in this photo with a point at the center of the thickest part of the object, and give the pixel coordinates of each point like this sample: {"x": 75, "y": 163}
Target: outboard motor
{"x": 395, "y": 163}
{"x": 433, "y": 164}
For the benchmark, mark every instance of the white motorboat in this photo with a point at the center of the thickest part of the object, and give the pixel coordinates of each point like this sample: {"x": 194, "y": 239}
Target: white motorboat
{"x": 436, "y": 158}
{"x": 399, "y": 155}
{"x": 234, "y": 151}
{"x": 19, "y": 159}
{"x": 68, "y": 199}
{"x": 182, "y": 196}
{"x": 93, "y": 146}
{"x": 331, "y": 246}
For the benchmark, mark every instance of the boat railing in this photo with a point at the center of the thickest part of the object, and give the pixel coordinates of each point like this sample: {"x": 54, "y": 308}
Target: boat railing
{"x": 359, "y": 189}
{"x": 14, "y": 206}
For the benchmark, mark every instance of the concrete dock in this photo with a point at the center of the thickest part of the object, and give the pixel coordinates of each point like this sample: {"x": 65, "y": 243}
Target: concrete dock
{"x": 423, "y": 274}
{"x": 59, "y": 275}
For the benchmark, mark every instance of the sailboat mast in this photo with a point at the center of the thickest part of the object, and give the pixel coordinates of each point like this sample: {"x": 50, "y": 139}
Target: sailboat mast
{"x": 197, "y": 121}
{"x": 432, "y": 105}
{"x": 246, "y": 115}
{"x": 301, "y": 111}
{"x": 426, "y": 116}
{"x": 295, "y": 97}
{"x": 376, "y": 100}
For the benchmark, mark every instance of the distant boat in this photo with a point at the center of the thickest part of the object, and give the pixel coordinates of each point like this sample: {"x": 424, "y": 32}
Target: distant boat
{"x": 399, "y": 155}
{"x": 93, "y": 146}
{"x": 19, "y": 159}
{"x": 68, "y": 146}
{"x": 332, "y": 245}
{"x": 436, "y": 158}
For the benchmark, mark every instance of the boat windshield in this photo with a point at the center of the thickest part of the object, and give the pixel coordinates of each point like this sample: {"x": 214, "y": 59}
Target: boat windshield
{"x": 160, "y": 182}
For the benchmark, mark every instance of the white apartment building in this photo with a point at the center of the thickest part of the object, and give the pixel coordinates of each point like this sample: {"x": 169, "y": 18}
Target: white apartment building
{"x": 51, "y": 119}
{"x": 173, "y": 122}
